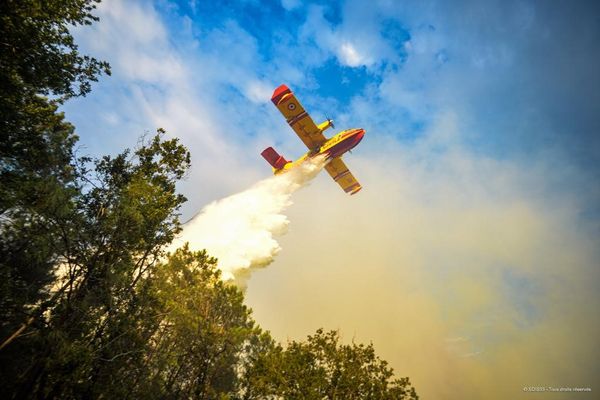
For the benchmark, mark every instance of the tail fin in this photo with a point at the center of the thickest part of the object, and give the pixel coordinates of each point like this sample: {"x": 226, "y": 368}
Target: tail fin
{"x": 274, "y": 158}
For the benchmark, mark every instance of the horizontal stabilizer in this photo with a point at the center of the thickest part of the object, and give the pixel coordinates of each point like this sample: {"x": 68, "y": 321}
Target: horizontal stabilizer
{"x": 274, "y": 158}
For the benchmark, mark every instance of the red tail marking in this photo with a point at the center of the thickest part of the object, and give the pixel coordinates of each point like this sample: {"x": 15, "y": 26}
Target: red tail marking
{"x": 274, "y": 158}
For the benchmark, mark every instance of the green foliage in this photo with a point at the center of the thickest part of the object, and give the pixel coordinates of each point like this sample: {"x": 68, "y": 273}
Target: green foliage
{"x": 38, "y": 53}
{"x": 38, "y": 56}
{"x": 113, "y": 229}
{"x": 37, "y": 181}
{"x": 92, "y": 306}
{"x": 204, "y": 332}
{"x": 323, "y": 368}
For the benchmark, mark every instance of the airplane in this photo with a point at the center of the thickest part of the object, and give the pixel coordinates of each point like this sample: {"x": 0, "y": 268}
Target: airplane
{"x": 312, "y": 136}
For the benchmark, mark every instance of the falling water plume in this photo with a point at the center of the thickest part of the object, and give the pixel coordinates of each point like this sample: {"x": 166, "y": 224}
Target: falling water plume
{"x": 240, "y": 230}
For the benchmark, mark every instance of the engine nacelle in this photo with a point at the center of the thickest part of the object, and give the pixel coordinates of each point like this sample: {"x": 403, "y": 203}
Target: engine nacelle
{"x": 326, "y": 125}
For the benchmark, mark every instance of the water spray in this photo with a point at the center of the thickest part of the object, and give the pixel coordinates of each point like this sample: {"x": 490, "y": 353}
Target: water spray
{"x": 240, "y": 230}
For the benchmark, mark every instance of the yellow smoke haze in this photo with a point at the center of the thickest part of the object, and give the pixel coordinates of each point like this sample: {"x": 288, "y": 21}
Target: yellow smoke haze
{"x": 471, "y": 276}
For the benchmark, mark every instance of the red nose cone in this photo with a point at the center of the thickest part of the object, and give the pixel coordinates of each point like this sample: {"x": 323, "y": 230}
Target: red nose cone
{"x": 356, "y": 137}
{"x": 359, "y": 135}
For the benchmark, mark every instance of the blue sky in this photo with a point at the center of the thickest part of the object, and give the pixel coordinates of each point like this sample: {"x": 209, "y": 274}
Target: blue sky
{"x": 521, "y": 77}
{"x": 480, "y": 165}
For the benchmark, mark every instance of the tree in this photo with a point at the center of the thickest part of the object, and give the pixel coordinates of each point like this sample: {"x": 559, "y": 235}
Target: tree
{"x": 38, "y": 57}
{"x": 114, "y": 230}
{"x": 206, "y": 332}
{"x": 38, "y": 53}
{"x": 322, "y": 368}
{"x": 123, "y": 320}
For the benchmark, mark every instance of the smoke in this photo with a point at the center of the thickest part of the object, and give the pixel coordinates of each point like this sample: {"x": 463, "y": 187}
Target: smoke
{"x": 240, "y": 230}
{"x": 471, "y": 275}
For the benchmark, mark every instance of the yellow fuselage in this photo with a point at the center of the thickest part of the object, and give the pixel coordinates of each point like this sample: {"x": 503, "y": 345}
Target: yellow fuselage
{"x": 333, "y": 147}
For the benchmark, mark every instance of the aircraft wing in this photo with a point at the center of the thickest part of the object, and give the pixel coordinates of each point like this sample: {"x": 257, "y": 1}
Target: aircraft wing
{"x": 340, "y": 173}
{"x": 297, "y": 117}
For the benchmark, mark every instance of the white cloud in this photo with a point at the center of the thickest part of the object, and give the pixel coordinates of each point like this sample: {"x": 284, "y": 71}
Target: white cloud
{"x": 259, "y": 92}
{"x": 353, "y": 45}
{"x": 134, "y": 38}
{"x": 111, "y": 117}
{"x": 182, "y": 90}
{"x": 349, "y": 56}
{"x": 137, "y": 22}
{"x": 291, "y": 4}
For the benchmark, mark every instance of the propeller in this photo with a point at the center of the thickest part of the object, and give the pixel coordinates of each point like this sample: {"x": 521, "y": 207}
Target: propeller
{"x": 330, "y": 121}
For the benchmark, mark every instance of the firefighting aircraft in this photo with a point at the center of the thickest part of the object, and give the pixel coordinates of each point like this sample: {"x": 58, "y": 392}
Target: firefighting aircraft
{"x": 312, "y": 136}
